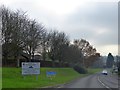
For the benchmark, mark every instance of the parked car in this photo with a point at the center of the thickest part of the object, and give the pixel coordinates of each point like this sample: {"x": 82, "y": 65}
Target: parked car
{"x": 104, "y": 72}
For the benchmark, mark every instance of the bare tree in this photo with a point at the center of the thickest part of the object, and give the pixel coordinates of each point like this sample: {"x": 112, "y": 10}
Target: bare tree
{"x": 33, "y": 37}
{"x": 6, "y": 15}
{"x": 57, "y": 42}
{"x": 63, "y": 42}
{"x": 19, "y": 33}
{"x": 45, "y": 44}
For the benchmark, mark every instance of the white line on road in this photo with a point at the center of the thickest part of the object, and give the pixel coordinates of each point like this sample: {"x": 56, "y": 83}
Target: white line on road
{"x": 104, "y": 84}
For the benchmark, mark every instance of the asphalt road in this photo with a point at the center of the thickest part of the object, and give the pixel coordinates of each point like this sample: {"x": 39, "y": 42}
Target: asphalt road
{"x": 110, "y": 80}
{"x": 94, "y": 81}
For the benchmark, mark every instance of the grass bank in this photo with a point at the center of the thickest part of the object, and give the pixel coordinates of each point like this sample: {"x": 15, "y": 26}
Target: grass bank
{"x": 12, "y": 78}
{"x": 94, "y": 70}
{"x": 0, "y": 78}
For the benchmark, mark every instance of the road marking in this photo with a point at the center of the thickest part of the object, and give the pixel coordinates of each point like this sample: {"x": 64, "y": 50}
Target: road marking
{"x": 104, "y": 84}
{"x": 59, "y": 87}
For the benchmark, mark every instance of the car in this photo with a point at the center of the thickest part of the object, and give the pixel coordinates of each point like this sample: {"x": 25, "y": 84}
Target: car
{"x": 104, "y": 72}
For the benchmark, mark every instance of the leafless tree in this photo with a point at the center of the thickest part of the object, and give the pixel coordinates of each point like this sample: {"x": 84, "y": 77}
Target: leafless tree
{"x": 57, "y": 41}
{"x": 32, "y": 37}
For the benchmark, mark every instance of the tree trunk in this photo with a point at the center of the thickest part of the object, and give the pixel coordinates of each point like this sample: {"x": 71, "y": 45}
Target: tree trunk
{"x": 44, "y": 56}
{"x": 18, "y": 62}
{"x": 60, "y": 63}
{"x": 44, "y": 53}
{"x": 5, "y": 59}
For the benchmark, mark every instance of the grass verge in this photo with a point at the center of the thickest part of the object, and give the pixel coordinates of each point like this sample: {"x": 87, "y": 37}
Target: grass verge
{"x": 0, "y": 78}
{"x": 12, "y": 78}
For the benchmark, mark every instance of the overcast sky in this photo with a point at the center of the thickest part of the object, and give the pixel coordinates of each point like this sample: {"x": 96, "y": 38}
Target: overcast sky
{"x": 97, "y": 22}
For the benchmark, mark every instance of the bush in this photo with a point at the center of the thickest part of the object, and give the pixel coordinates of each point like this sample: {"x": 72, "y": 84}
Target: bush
{"x": 119, "y": 71}
{"x": 80, "y": 69}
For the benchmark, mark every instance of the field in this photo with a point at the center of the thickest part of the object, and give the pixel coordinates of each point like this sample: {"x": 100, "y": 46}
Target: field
{"x": 12, "y": 78}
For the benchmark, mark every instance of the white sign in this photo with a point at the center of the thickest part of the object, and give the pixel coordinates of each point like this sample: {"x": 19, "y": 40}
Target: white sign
{"x": 30, "y": 68}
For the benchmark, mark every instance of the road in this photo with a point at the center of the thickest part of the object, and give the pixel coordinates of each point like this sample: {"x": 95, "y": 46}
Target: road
{"x": 94, "y": 81}
{"x": 110, "y": 80}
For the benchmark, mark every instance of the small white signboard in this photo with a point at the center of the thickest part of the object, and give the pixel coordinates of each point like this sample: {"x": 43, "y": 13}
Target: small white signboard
{"x": 30, "y": 68}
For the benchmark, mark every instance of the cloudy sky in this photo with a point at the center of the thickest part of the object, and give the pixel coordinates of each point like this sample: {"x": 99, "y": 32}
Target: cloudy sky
{"x": 93, "y": 20}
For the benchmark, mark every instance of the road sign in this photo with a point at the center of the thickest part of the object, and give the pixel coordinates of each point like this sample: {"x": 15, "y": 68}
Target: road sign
{"x": 30, "y": 68}
{"x": 51, "y": 73}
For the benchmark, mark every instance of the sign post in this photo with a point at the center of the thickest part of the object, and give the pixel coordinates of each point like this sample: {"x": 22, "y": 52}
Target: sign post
{"x": 31, "y": 68}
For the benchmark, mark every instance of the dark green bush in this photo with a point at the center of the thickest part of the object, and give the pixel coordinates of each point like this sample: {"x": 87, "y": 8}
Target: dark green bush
{"x": 80, "y": 69}
{"x": 119, "y": 70}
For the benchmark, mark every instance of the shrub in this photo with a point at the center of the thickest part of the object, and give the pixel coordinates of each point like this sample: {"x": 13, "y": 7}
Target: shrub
{"x": 80, "y": 69}
{"x": 119, "y": 71}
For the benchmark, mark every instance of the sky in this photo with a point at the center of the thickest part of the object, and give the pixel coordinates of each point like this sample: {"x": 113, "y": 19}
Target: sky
{"x": 93, "y": 20}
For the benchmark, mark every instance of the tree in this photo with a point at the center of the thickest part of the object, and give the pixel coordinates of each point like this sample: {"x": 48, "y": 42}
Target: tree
{"x": 74, "y": 55}
{"x": 110, "y": 60}
{"x": 99, "y": 63}
{"x": 89, "y": 61}
{"x": 53, "y": 44}
{"x": 16, "y": 30}
{"x": 44, "y": 44}
{"x": 87, "y": 51}
{"x": 57, "y": 42}
{"x": 19, "y": 34}
{"x": 85, "y": 47}
{"x": 63, "y": 42}
{"x": 32, "y": 37}
{"x": 7, "y": 18}
{"x": 24, "y": 36}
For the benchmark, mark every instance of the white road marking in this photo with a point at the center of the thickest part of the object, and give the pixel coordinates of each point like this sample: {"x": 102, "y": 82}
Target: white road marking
{"x": 104, "y": 84}
{"x": 59, "y": 87}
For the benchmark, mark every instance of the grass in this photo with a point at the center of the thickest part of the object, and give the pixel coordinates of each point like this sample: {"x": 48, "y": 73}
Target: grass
{"x": 0, "y": 77}
{"x": 12, "y": 78}
{"x": 94, "y": 70}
